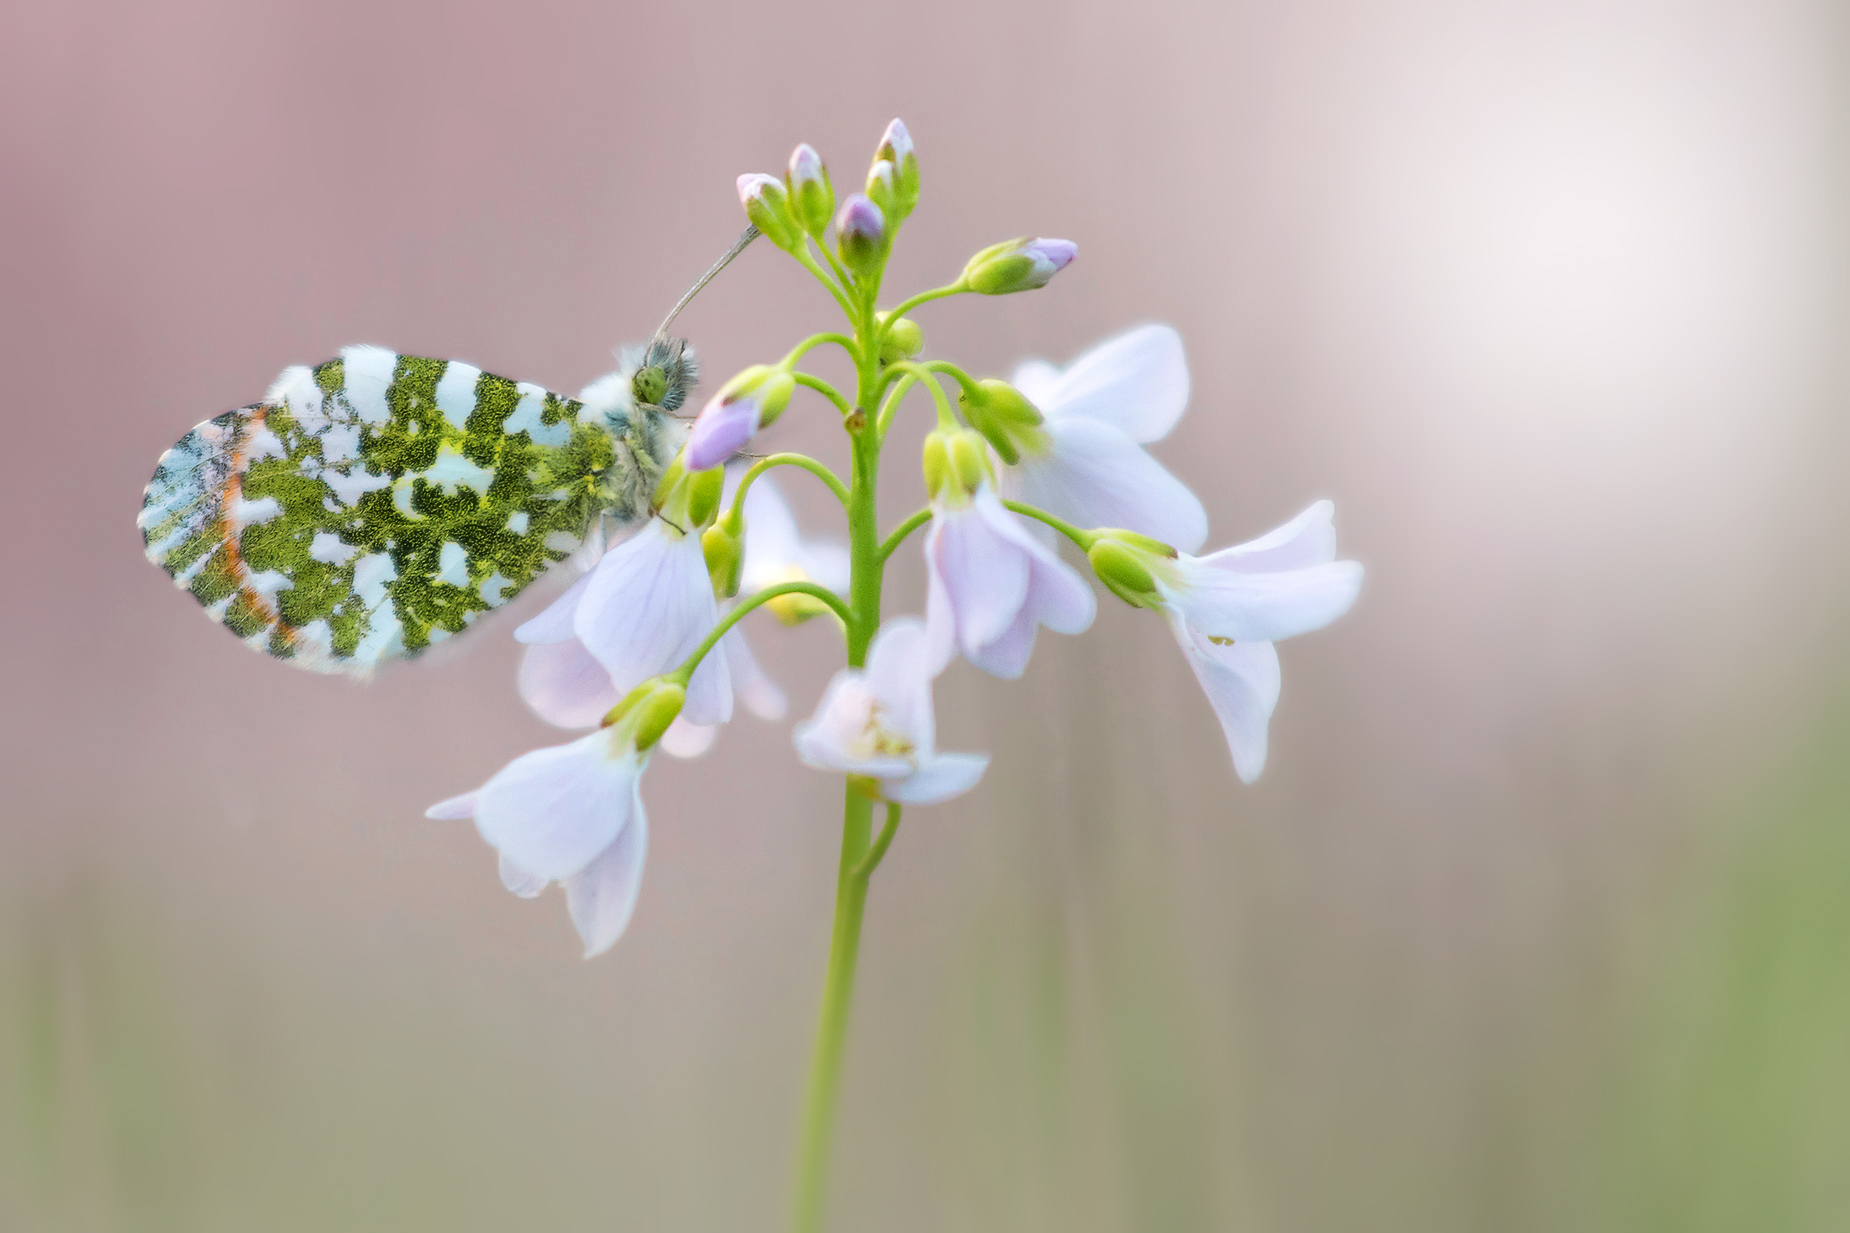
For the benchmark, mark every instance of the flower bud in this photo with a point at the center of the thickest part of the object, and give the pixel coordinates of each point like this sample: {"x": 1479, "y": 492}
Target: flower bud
{"x": 896, "y": 148}
{"x": 1017, "y": 265}
{"x": 900, "y": 339}
{"x": 880, "y": 180}
{"x": 955, "y": 464}
{"x": 749, "y": 402}
{"x": 768, "y": 206}
{"x": 646, "y": 711}
{"x": 1129, "y": 565}
{"x": 1005, "y": 417}
{"x": 812, "y": 197}
{"x": 860, "y": 228}
{"x": 704, "y": 490}
{"x": 723, "y": 545}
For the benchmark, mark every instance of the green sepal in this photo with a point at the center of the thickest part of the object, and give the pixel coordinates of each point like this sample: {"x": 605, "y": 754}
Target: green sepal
{"x": 1005, "y": 417}
{"x": 723, "y": 546}
{"x": 646, "y": 711}
{"x": 900, "y": 339}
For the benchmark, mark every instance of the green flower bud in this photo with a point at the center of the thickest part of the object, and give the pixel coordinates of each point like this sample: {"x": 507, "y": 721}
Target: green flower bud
{"x": 900, "y": 340}
{"x": 1129, "y": 565}
{"x": 723, "y": 546}
{"x": 1005, "y": 417}
{"x": 768, "y": 206}
{"x": 896, "y": 148}
{"x": 880, "y": 187}
{"x": 955, "y": 464}
{"x": 812, "y": 197}
{"x": 704, "y": 489}
{"x": 1017, "y": 265}
{"x": 646, "y": 711}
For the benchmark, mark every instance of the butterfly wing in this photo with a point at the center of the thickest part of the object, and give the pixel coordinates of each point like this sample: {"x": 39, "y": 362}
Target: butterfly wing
{"x": 375, "y": 504}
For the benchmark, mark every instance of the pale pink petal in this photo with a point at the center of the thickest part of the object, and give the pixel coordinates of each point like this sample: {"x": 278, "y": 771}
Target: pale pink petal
{"x": 1242, "y": 684}
{"x": 553, "y": 623}
{"x": 1137, "y": 382}
{"x": 565, "y": 685}
{"x": 454, "y": 809}
{"x": 899, "y": 677}
{"x": 685, "y": 740}
{"x": 526, "y": 885}
{"x": 1037, "y": 380}
{"x": 1093, "y": 475}
{"x": 835, "y": 737}
{"x": 1245, "y": 607}
{"x": 552, "y": 810}
{"x": 602, "y": 898}
{"x": 754, "y": 687}
{"x": 1308, "y": 539}
{"x": 648, "y": 605}
{"x": 938, "y": 779}
{"x": 983, "y": 577}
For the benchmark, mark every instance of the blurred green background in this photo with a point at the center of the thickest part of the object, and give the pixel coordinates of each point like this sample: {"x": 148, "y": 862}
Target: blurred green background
{"x": 1540, "y": 916}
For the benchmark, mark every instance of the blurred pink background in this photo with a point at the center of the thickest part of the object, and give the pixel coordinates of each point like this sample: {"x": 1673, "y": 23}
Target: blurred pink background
{"x": 1549, "y": 298}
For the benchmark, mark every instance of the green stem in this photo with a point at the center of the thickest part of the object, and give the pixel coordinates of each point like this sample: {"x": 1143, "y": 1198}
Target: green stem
{"x": 924, "y": 297}
{"x": 809, "y": 263}
{"x": 825, "y": 389}
{"x": 865, "y": 568}
{"x": 685, "y": 672}
{"x": 882, "y": 842}
{"x": 898, "y": 537}
{"x": 923, "y": 374}
{"x": 889, "y": 405}
{"x": 1085, "y": 539}
{"x": 832, "y": 1026}
{"x": 828, "y": 477}
{"x": 819, "y": 340}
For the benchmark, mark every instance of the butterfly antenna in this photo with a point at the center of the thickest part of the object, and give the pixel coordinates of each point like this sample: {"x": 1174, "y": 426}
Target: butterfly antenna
{"x": 750, "y": 234}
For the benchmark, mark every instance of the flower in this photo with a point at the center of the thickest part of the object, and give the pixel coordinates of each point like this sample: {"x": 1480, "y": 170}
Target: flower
{"x": 567, "y": 687}
{"x": 640, "y": 611}
{"x": 991, "y": 584}
{"x": 1085, "y": 462}
{"x": 1228, "y": 608}
{"x": 877, "y": 721}
{"x": 573, "y": 814}
{"x": 1018, "y": 265}
{"x": 860, "y": 227}
{"x": 750, "y": 401}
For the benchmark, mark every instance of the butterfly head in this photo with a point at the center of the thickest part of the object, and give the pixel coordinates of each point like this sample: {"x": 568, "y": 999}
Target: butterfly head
{"x": 664, "y": 373}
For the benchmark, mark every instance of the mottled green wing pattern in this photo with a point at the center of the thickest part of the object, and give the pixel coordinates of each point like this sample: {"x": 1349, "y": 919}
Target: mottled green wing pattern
{"x": 376, "y": 504}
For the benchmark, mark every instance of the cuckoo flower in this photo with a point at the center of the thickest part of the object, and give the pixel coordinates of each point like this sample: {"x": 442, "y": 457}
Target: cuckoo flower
{"x": 1084, "y": 461}
{"x": 573, "y": 814}
{"x": 877, "y": 722}
{"x": 1228, "y": 608}
{"x": 991, "y": 584}
{"x": 640, "y": 611}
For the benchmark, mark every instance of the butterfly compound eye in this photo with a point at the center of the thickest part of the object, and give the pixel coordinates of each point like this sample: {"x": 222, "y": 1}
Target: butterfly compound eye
{"x": 649, "y": 385}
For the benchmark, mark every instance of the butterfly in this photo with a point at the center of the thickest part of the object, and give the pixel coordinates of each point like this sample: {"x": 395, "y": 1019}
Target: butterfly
{"x": 377, "y": 504}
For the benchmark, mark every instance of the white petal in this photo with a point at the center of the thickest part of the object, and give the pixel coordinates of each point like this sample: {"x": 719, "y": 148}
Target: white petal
{"x": 565, "y": 685}
{"x": 1308, "y": 539}
{"x": 772, "y": 540}
{"x": 1242, "y": 683}
{"x": 526, "y": 885}
{"x": 1137, "y": 382}
{"x": 648, "y": 605}
{"x": 1093, "y": 475}
{"x": 554, "y": 622}
{"x": 826, "y": 561}
{"x": 1037, "y": 380}
{"x": 899, "y": 676}
{"x": 603, "y": 897}
{"x": 1007, "y": 656}
{"x": 984, "y": 576}
{"x": 833, "y": 739}
{"x": 754, "y": 688}
{"x": 1245, "y": 607}
{"x": 938, "y": 779}
{"x": 552, "y": 810}
{"x": 685, "y": 740}
{"x": 1056, "y": 597}
{"x": 455, "y": 809}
